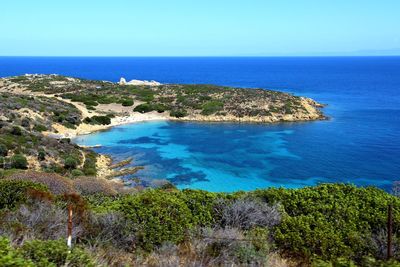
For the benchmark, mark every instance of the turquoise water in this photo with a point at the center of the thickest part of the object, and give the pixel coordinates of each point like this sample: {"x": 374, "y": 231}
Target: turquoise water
{"x": 215, "y": 157}
{"x": 360, "y": 144}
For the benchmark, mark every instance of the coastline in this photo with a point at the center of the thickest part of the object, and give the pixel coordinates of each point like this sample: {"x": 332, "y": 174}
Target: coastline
{"x": 306, "y": 110}
{"x": 131, "y": 117}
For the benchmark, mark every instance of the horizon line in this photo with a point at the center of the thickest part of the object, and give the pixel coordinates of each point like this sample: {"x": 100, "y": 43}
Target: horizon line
{"x": 194, "y": 56}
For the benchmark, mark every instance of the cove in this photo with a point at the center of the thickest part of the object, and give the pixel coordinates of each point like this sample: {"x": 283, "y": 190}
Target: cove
{"x": 228, "y": 157}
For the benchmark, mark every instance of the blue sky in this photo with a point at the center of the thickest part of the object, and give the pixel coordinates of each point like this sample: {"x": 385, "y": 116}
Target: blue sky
{"x": 199, "y": 28}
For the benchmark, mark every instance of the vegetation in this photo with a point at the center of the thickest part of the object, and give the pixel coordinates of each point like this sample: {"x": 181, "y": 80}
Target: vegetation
{"x": 212, "y": 107}
{"x": 104, "y": 120}
{"x": 181, "y": 100}
{"x": 344, "y": 226}
{"x": 119, "y": 226}
{"x": 143, "y": 108}
{"x": 178, "y": 113}
{"x": 42, "y": 253}
{"x": 19, "y": 161}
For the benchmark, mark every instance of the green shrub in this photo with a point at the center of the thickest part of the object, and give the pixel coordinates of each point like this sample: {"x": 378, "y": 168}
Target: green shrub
{"x": 71, "y": 162}
{"x": 16, "y": 130}
{"x": 178, "y": 113}
{"x": 12, "y": 257}
{"x": 331, "y": 220}
{"x": 13, "y": 193}
{"x": 54, "y": 253}
{"x": 201, "y": 205}
{"x": 143, "y": 108}
{"x": 90, "y": 103}
{"x": 39, "y": 128}
{"x": 77, "y": 173}
{"x": 103, "y": 120}
{"x": 127, "y": 102}
{"x": 160, "y": 108}
{"x": 19, "y": 161}
{"x": 3, "y": 150}
{"x": 212, "y": 107}
{"x": 89, "y": 166}
{"x": 156, "y": 217}
{"x": 143, "y": 94}
{"x": 41, "y": 155}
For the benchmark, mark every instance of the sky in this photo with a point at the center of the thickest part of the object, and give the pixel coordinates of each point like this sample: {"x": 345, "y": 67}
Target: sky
{"x": 199, "y": 28}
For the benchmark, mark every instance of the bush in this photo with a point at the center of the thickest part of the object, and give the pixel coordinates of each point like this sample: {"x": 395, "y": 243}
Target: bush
{"x": 41, "y": 155}
{"x": 160, "y": 108}
{"x": 179, "y": 113}
{"x": 156, "y": 217}
{"x": 109, "y": 228}
{"x": 39, "y": 219}
{"x": 3, "y": 150}
{"x": 19, "y": 161}
{"x": 212, "y": 107}
{"x": 90, "y": 103}
{"x": 71, "y": 162}
{"x": 54, "y": 252}
{"x": 127, "y": 102}
{"x": 202, "y": 204}
{"x": 143, "y": 108}
{"x": 77, "y": 173}
{"x": 39, "y": 128}
{"x": 103, "y": 120}
{"x": 16, "y": 130}
{"x": 89, "y": 166}
{"x": 246, "y": 214}
{"x": 13, "y": 193}
{"x": 340, "y": 222}
{"x": 12, "y": 257}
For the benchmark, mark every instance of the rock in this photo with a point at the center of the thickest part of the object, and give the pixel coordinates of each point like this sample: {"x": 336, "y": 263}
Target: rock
{"x": 122, "y": 81}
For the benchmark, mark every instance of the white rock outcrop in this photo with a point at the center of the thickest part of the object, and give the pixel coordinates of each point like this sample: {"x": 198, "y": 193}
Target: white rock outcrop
{"x": 122, "y": 81}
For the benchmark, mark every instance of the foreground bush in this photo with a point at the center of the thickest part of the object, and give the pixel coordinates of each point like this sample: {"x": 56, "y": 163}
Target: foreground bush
{"x": 156, "y": 217}
{"x": 42, "y": 253}
{"x": 326, "y": 225}
{"x": 331, "y": 220}
{"x": 13, "y": 193}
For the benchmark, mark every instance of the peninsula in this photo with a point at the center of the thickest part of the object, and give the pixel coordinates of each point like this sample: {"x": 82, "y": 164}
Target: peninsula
{"x": 94, "y": 105}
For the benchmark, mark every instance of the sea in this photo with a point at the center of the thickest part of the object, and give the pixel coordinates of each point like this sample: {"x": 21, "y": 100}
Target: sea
{"x": 359, "y": 144}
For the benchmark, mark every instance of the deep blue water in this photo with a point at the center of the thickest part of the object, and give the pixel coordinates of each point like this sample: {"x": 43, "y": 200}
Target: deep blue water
{"x": 360, "y": 144}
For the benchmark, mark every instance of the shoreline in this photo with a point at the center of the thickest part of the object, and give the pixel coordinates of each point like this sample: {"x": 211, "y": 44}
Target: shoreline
{"x": 136, "y": 117}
